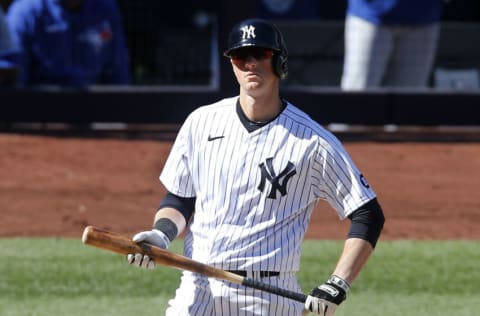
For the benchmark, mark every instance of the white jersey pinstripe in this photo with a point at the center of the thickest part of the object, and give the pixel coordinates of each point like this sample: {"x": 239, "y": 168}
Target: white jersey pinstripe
{"x": 236, "y": 225}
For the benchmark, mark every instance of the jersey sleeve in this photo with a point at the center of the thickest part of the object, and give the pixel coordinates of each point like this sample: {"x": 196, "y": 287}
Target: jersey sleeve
{"x": 337, "y": 179}
{"x": 176, "y": 175}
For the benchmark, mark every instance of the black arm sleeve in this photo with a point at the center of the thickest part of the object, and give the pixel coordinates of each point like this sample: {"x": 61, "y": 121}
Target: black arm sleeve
{"x": 186, "y": 206}
{"x": 367, "y": 222}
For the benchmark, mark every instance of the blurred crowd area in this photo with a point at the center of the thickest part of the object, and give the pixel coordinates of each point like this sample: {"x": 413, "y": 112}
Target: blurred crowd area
{"x": 180, "y": 43}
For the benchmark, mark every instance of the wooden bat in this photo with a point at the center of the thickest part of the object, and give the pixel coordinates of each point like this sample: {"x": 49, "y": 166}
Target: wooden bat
{"x": 120, "y": 244}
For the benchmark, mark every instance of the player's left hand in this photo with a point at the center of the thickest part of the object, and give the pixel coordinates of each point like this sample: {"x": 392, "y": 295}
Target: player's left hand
{"x": 140, "y": 260}
{"x": 154, "y": 237}
{"x": 323, "y": 300}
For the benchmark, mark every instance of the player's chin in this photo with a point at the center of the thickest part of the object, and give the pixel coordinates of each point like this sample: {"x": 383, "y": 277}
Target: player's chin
{"x": 253, "y": 84}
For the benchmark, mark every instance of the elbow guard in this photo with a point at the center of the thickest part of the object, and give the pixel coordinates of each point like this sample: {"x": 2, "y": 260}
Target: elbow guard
{"x": 367, "y": 222}
{"x": 186, "y": 206}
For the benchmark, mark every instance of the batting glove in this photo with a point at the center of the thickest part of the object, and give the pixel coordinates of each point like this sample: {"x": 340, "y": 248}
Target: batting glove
{"x": 323, "y": 300}
{"x": 154, "y": 237}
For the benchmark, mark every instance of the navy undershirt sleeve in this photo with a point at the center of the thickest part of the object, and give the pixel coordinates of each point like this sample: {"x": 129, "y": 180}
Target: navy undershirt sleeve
{"x": 186, "y": 206}
{"x": 367, "y": 222}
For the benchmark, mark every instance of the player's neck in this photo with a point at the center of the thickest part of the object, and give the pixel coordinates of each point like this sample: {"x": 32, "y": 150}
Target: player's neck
{"x": 261, "y": 109}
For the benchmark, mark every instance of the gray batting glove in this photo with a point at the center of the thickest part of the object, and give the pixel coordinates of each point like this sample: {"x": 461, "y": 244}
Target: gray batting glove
{"x": 154, "y": 237}
{"x": 324, "y": 299}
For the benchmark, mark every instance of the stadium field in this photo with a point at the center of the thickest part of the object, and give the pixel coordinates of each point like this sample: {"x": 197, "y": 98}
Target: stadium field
{"x": 62, "y": 276}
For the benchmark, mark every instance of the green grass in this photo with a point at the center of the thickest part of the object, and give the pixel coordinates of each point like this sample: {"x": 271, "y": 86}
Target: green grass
{"x": 64, "y": 277}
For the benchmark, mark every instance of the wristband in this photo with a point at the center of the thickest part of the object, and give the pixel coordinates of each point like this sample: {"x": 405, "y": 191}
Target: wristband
{"x": 338, "y": 281}
{"x": 167, "y": 226}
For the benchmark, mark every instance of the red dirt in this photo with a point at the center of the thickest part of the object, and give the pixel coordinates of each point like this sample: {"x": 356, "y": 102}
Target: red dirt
{"x": 52, "y": 186}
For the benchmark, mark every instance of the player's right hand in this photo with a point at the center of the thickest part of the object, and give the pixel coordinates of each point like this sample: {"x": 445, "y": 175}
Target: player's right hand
{"x": 154, "y": 237}
{"x": 323, "y": 300}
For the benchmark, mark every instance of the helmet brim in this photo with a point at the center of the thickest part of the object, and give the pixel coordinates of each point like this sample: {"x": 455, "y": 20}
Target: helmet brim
{"x": 229, "y": 51}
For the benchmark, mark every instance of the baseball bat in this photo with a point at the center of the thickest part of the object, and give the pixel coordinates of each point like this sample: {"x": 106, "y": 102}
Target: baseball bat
{"x": 120, "y": 244}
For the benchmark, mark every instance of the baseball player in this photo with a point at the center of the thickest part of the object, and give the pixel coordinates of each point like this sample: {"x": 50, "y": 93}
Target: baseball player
{"x": 243, "y": 177}
{"x": 73, "y": 43}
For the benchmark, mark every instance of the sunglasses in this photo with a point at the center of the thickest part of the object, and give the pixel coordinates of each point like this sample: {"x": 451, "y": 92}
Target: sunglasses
{"x": 244, "y": 53}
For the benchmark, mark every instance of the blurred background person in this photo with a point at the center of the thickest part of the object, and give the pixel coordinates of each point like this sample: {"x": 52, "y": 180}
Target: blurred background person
{"x": 8, "y": 54}
{"x": 390, "y": 42}
{"x": 72, "y": 43}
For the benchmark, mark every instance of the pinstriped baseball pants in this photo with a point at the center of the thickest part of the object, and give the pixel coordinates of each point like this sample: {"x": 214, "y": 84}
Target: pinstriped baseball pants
{"x": 199, "y": 295}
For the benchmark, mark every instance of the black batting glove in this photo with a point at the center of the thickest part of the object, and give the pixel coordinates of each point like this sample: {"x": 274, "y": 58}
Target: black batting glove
{"x": 323, "y": 300}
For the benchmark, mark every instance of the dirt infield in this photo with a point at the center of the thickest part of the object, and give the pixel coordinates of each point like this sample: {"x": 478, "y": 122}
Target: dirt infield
{"x": 56, "y": 186}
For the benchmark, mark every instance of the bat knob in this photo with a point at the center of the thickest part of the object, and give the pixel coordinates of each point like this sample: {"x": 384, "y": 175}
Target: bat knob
{"x": 86, "y": 233}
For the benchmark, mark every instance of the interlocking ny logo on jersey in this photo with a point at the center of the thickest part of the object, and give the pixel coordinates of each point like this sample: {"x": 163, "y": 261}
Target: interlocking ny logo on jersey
{"x": 248, "y": 32}
{"x": 268, "y": 173}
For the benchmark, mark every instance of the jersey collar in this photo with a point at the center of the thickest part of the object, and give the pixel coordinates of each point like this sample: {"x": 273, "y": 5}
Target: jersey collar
{"x": 252, "y": 126}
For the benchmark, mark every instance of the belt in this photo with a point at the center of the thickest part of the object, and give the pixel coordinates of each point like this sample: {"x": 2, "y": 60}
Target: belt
{"x": 262, "y": 274}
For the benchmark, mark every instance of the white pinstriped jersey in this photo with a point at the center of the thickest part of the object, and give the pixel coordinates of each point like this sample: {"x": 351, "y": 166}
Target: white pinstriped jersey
{"x": 255, "y": 191}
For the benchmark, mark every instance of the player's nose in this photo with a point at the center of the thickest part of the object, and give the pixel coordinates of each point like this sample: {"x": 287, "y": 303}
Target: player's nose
{"x": 251, "y": 62}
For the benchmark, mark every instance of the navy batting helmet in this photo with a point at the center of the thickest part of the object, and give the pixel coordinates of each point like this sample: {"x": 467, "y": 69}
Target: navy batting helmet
{"x": 260, "y": 33}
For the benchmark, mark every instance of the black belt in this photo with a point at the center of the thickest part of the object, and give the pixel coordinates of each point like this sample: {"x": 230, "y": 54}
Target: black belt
{"x": 263, "y": 274}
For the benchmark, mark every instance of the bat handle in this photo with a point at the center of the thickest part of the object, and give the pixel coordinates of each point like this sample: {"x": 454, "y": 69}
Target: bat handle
{"x": 274, "y": 290}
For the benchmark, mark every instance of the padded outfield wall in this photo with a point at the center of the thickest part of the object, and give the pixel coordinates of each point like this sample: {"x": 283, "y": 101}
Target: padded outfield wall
{"x": 155, "y": 106}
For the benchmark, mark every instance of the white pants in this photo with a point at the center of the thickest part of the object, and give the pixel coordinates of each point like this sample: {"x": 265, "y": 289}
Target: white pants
{"x": 377, "y": 55}
{"x": 199, "y": 295}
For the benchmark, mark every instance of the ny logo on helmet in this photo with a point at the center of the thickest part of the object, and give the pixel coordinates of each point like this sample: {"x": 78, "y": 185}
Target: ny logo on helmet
{"x": 268, "y": 173}
{"x": 248, "y": 32}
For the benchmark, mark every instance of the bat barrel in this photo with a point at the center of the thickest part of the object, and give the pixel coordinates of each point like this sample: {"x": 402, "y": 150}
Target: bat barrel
{"x": 107, "y": 240}
{"x": 117, "y": 243}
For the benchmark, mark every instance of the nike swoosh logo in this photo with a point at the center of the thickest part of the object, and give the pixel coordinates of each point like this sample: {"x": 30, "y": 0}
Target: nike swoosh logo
{"x": 210, "y": 138}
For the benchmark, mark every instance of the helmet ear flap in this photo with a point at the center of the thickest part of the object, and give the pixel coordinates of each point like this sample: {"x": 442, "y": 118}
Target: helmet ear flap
{"x": 280, "y": 65}
{"x": 280, "y": 60}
